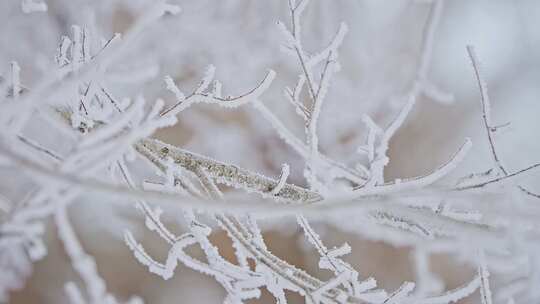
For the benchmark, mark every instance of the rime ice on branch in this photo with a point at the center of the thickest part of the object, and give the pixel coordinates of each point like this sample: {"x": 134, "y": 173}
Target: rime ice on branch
{"x": 106, "y": 132}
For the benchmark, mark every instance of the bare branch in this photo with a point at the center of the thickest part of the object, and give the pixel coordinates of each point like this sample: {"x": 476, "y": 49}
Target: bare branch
{"x": 529, "y": 192}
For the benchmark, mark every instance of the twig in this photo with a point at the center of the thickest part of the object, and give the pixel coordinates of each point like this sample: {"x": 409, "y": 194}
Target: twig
{"x": 230, "y": 102}
{"x": 486, "y": 106}
{"x": 420, "y": 181}
{"x": 428, "y": 37}
{"x": 485, "y": 291}
{"x": 418, "y": 87}
{"x": 486, "y": 115}
{"x": 62, "y": 81}
{"x": 500, "y": 178}
{"x": 285, "y": 170}
{"x": 343, "y": 171}
{"x": 529, "y": 192}
{"x": 240, "y": 234}
{"x": 39, "y": 147}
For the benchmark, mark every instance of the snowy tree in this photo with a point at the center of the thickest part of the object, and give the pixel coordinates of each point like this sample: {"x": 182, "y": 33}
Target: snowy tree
{"x": 97, "y": 124}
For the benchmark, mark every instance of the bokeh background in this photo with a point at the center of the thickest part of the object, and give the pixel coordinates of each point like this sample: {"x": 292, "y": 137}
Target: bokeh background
{"x": 240, "y": 38}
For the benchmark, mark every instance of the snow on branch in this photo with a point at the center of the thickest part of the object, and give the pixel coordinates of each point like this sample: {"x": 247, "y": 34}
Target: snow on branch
{"x": 225, "y": 173}
{"x": 278, "y": 274}
{"x": 317, "y": 91}
{"x": 62, "y": 82}
{"x": 84, "y": 264}
{"x": 378, "y": 158}
{"x": 420, "y": 181}
{"x": 490, "y": 128}
{"x": 485, "y": 291}
{"x": 200, "y": 96}
{"x": 486, "y": 106}
{"x": 166, "y": 270}
{"x": 285, "y": 170}
{"x": 105, "y": 130}
{"x": 340, "y": 170}
{"x": 425, "y": 86}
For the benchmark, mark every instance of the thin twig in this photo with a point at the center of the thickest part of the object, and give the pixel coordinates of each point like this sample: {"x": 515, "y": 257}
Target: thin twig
{"x": 500, "y": 178}
{"x": 486, "y": 115}
{"x": 486, "y": 106}
{"x": 232, "y": 102}
{"x": 39, "y": 147}
{"x": 529, "y": 192}
{"x": 350, "y": 174}
{"x": 111, "y": 99}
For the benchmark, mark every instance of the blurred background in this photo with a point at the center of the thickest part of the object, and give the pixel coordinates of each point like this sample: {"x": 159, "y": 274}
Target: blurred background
{"x": 379, "y": 58}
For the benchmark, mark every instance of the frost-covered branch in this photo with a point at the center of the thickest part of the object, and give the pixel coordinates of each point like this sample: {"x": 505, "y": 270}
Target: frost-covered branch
{"x": 106, "y": 147}
{"x": 421, "y": 181}
{"x": 199, "y": 96}
{"x": 490, "y": 128}
{"x": 276, "y": 273}
{"x": 486, "y": 107}
{"x": 158, "y": 152}
{"x": 340, "y": 170}
{"x": 61, "y": 82}
{"x": 419, "y": 86}
{"x": 84, "y": 264}
{"x": 485, "y": 291}
{"x": 317, "y": 92}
